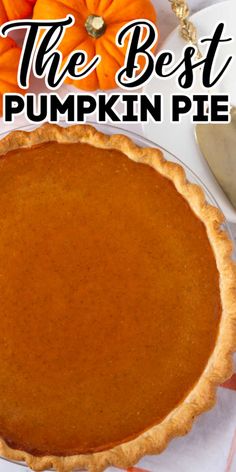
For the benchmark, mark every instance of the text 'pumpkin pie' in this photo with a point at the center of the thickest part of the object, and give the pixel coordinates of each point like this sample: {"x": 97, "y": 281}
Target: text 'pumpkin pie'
{"x": 117, "y": 300}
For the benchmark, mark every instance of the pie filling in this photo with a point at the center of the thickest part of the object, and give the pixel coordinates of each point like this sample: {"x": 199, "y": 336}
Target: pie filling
{"x": 110, "y": 301}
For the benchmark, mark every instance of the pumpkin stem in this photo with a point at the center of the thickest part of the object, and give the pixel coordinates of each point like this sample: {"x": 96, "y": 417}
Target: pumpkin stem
{"x": 95, "y": 26}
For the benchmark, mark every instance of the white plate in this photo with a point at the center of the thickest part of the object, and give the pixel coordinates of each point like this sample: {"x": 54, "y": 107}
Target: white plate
{"x": 179, "y": 138}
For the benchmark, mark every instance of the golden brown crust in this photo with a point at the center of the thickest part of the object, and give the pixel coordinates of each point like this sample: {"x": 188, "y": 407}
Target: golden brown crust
{"x": 219, "y": 367}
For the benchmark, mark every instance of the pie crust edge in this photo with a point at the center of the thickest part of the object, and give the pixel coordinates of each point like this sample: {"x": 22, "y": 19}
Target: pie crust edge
{"x": 220, "y": 364}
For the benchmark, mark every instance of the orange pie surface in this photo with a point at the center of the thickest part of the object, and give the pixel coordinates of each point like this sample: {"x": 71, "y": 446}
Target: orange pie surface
{"x": 110, "y": 301}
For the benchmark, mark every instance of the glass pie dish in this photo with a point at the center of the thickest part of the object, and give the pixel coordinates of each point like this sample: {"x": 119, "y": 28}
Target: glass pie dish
{"x": 143, "y": 143}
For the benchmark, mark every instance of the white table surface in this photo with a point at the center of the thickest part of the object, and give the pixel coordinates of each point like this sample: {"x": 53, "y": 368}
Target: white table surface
{"x": 167, "y": 22}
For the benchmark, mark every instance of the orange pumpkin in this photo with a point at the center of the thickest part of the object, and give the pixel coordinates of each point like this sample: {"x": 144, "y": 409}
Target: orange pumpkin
{"x": 15, "y": 9}
{"x": 96, "y": 25}
{"x": 9, "y": 60}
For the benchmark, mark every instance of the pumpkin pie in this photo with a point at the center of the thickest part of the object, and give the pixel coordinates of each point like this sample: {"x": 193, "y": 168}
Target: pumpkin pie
{"x": 118, "y": 302}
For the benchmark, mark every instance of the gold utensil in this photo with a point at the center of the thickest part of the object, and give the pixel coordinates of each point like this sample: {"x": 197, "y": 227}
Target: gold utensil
{"x": 218, "y": 145}
{"x": 216, "y": 141}
{"x": 187, "y": 29}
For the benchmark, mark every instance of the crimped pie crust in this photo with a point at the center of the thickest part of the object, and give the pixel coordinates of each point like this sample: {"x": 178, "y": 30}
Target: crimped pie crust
{"x": 219, "y": 366}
